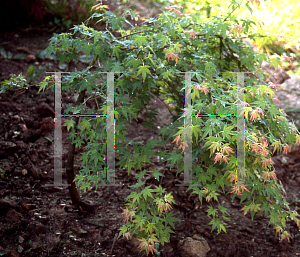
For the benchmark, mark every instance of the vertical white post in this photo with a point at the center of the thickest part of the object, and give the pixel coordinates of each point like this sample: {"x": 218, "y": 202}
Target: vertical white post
{"x": 110, "y": 129}
{"x": 57, "y": 133}
{"x": 240, "y": 130}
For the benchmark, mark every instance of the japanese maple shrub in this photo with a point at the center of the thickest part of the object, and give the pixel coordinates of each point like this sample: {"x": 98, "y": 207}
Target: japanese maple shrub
{"x": 148, "y": 60}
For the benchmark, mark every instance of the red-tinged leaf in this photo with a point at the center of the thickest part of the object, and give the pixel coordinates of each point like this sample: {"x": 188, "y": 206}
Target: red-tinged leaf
{"x": 177, "y": 140}
{"x": 227, "y": 149}
{"x": 183, "y": 145}
{"x": 225, "y": 158}
{"x": 286, "y": 149}
{"x": 254, "y": 115}
{"x": 174, "y": 57}
{"x": 273, "y": 174}
{"x": 192, "y": 34}
{"x": 233, "y": 177}
{"x": 218, "y": 157}
{"x": 127, "y": 235}
{"x": 285, "y": 235}
{"x": 235, "y": 190}
{"x": 204, "y": 89}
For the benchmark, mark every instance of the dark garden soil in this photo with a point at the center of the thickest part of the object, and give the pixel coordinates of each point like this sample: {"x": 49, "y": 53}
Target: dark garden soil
{"x": 40, "y": 220}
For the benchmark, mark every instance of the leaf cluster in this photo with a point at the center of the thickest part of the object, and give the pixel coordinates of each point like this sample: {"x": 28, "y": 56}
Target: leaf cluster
{"x": 150, "y": 60}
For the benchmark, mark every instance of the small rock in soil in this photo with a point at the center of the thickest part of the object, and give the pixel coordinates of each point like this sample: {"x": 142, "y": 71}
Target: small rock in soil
{"x": 193, "y": 247}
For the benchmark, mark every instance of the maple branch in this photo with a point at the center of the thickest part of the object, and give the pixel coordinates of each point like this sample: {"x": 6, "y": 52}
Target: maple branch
{"x": 163, "y": 103}
{"x": 221, "y": 47}
{"x": 176, "y": 92}
{"x": 131, "y": 34}
{"x": 230, "y": 13}
{"x": 193, "y": 23}
{"x": 236, "y": 59}
{"x": 289, "y": 91}
{"x": 195, "y": 80}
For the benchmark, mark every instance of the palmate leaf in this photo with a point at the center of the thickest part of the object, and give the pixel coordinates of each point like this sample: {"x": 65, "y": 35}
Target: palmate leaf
{"x": 169, "y": 219}
{"x": 138, "y": 184}
{"x": 69, "y": 124}
{"x": 217, "y": 223}
{"x": 147, "y": 192}
{"x": 275, "y": 61}
{"x": 211, "y": 211}
{"x": 227, "y": 132}
{"x": 210, "y": 68}
{"x": 196, "y": 130}
{"x": 116, "y": 51}
{"x": 140, "y": 40}
{"x": 157, "y": 174}
{"x": 167, "y": 75}
{"x": 85, "y": 124}
{"x": 144, "y": 70}
{"x": 175, "y": 158}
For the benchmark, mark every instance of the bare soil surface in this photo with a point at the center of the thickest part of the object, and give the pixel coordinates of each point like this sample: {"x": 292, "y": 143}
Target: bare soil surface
{"x": 40, "y": 220}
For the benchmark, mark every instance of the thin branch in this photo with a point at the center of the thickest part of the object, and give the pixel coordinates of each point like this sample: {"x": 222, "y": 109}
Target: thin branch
{"x": 289, "y": 91}
{"x": 131, "y": 34}
{"x": 230, "y": 13}
{"x": 164, "y": 103}
{"x": 176, "y": 92}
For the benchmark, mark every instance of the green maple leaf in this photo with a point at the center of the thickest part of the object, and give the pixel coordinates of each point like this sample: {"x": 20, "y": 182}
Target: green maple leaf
{"x": 163, "y": 39}
{"x": 69, "y": 124}
{"x": 144, "y": 70}
{"x": 150, "y": 227}
{"x": 254, "y": 208}
{"x": 274, "y": 61}
{"x": 134, "y": 62}
{"x": 274, "y": 217}
{"x": 207, "y": 130}
{"x": 78, "y": 142}
{"x": 169, "y": 219}
{"x": 277, "y": 146}
{"x": 165, "y": 235}
{"x": 85, "y": 185}
{"x": 138, "y": 184}
{"x": 223, "y": 209}
{"x": 220, "y": 181}
{"x": 140, "y": 40}
{"x": 96, "y": 156}
{"x": 217, "y": 223}
{"x": 227, "y": 132}
{"x": 139, "y": 222}
{"x": 157, "y": 174}
{"x": 141, "y": 174}
{"x": 211, "y": 211}
{"x": 116, "y": 51}
{"x": 84, "y": 158}
{"x": 175, "y": 157}
{"x": 246, "y": 60}
{"x": 209, "y": 68}
{"x": 85, "y": 124}
{"x": 167, "y": 74}
{"x": 147, "y": 192}
{"x": 259, "y": 57}
{"x": 196, "y": 130}
{"x": 134, "y": 196}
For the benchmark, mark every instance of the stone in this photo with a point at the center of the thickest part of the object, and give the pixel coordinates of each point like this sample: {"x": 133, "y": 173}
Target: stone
{"x": 36, "y": 228}
{"x": 193, "y": 247}
{"x": 30, "y": 58}
{"x": 13, "y": 216}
